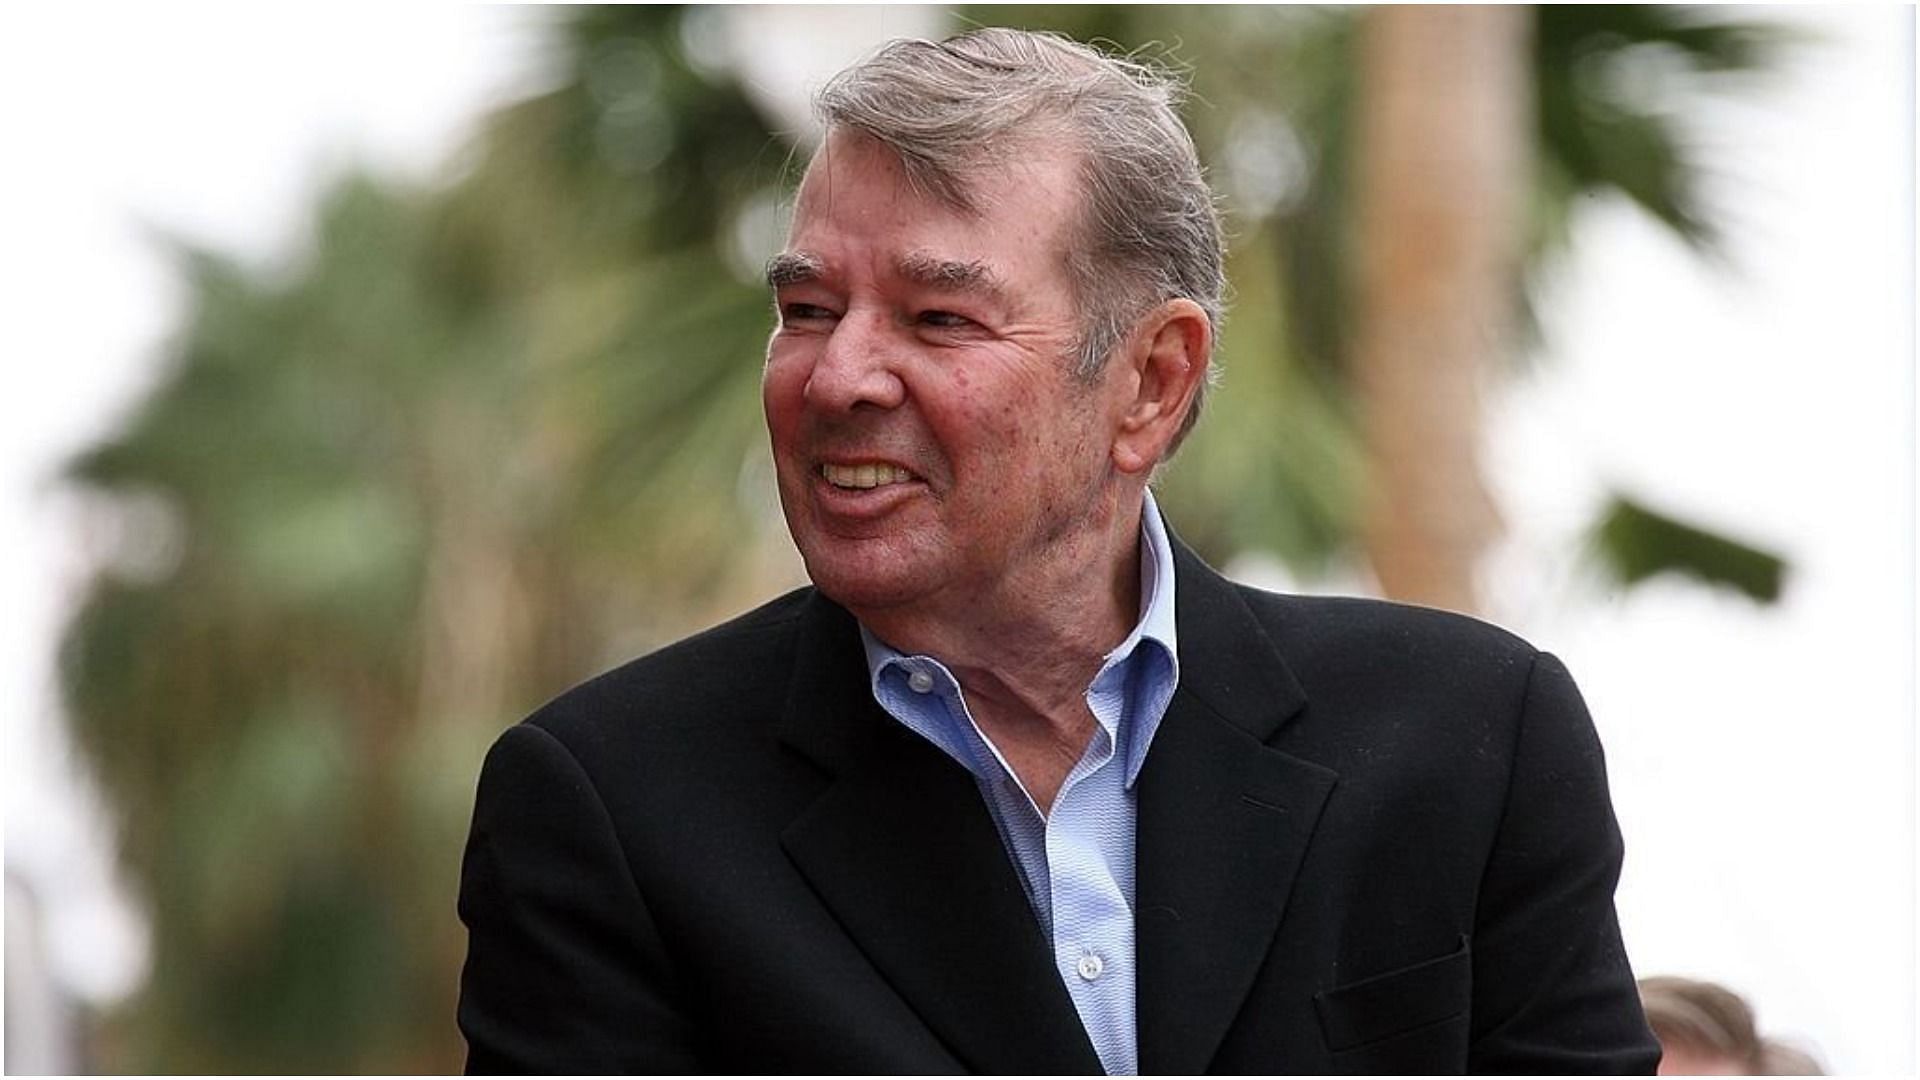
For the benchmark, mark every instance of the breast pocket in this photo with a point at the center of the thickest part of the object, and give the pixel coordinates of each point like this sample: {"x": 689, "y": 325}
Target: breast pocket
{"x": 1412, "y": 1001}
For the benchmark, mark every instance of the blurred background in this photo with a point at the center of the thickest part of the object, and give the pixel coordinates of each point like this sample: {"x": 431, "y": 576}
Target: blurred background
{"x": 371, "y": 378}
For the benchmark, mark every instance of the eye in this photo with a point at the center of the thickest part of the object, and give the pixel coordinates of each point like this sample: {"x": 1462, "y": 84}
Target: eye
{"x": 944, "y": 320}
{"x": 802, "y": 313}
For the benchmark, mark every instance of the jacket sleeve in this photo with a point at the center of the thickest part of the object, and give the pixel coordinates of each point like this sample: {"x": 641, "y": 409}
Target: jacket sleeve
{"x": 565, "y": 972}
{"x": 1552, "y": 989}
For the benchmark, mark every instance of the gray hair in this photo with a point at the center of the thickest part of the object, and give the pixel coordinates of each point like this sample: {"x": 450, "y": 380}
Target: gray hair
{"x": 1149, "y": 230}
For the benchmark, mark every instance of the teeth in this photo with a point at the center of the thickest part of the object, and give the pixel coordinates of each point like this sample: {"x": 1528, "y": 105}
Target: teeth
{"x": 866, "y": 475}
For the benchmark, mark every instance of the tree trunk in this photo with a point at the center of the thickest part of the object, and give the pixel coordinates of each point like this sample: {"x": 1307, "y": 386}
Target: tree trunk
{"x": 1443, "y": 145}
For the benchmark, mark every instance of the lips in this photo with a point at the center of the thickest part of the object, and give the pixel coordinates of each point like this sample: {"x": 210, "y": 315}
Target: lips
{"x": 864, "y": 476}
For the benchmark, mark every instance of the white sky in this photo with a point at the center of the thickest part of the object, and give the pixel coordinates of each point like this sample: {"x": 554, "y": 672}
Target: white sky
{"x": 1762, "y": 760}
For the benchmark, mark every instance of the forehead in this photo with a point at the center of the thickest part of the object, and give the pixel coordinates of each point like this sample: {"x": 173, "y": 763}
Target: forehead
{"x": 850, "y": 148}
{"x": 858, "y": 188}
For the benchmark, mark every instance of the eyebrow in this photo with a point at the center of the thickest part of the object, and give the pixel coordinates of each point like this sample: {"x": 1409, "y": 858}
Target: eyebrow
{"x": 953, "y": 275}
{"x": 793, "y": 268}
{"x": 917, "y": 267}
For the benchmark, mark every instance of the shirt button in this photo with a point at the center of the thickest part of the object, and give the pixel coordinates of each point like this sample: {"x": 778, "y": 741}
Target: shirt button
{"x": 1090, "y": 967}
{"x": 920, "y": 682}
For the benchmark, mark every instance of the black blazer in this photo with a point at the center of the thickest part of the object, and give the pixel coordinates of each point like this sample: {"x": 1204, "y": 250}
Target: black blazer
{"x": 1372, "y": 838}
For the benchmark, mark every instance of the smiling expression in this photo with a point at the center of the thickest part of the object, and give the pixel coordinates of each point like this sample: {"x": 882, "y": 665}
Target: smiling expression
{"x": 931, "y": 444}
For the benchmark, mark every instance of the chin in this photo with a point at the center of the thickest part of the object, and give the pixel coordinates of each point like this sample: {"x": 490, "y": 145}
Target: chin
{"x": 858, "y": 592}
{"x": 861, "y": 581}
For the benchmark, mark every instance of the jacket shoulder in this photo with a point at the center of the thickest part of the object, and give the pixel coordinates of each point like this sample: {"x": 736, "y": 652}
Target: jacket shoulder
{"x": 1381, "y": 631}
{"x": 1361, "y": 658}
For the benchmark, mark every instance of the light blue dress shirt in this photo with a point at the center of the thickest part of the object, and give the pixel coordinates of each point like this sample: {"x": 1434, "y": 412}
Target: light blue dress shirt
{"x": 1077, "y": 862}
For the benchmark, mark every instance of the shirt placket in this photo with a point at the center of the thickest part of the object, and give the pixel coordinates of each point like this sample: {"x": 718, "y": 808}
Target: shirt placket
{"x": 1092, "y": 923}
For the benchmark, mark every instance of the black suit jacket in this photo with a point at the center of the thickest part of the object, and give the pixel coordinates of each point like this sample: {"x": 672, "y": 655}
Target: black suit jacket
{"x": 1371, "y": 839}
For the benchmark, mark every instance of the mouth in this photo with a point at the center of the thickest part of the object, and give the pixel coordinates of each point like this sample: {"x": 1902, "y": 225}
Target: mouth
{"x": 864, "y": 476}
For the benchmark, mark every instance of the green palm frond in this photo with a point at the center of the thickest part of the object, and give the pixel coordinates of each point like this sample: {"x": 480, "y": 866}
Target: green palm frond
{"x": 1634, "y": 543}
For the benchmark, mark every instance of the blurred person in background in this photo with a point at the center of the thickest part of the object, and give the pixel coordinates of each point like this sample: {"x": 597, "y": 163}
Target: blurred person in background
{"x": 1779, "y": 1059}
{"x": 1020, "y": 785}
{"x": 1706, "y": 1029}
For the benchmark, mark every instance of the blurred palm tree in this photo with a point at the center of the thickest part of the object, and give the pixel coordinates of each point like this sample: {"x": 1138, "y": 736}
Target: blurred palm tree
{"x": 485, "y": 439}
{"x": 1442, "y": 148}
{"x": 1441, "y": 145}
{"x": 492, "y": 435}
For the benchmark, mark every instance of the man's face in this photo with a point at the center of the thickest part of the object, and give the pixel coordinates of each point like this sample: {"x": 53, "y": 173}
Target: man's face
{"x": 928, "y": 436}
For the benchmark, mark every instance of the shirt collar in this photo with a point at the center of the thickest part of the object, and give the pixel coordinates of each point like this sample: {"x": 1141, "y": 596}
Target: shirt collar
{"x": 1156, "y": 624}
{"x": 1157, "y": 621}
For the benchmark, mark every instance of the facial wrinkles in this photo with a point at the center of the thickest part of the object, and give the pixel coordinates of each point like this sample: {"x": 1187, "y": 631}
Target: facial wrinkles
{"x": 878, "y": 254}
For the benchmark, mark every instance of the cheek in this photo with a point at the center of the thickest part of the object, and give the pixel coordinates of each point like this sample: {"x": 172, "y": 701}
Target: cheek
{"x": 782, "y": 391}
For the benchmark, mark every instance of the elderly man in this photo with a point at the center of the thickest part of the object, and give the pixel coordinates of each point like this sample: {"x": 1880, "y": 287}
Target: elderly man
{"x": 1020, "y": 785}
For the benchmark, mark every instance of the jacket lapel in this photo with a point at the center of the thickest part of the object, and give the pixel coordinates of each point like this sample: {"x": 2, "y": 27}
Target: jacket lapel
{"x": 901, "y": 847}
{"x": 1224, "y": 823}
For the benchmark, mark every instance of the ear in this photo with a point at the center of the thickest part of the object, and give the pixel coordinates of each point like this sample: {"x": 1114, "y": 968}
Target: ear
{"x": 1166, "y": 360}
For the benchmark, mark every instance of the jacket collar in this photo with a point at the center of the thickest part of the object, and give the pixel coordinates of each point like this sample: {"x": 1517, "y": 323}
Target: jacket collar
{"x": 1224, "y": 823}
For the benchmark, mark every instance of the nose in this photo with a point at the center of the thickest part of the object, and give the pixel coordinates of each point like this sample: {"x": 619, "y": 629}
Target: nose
{"x": 856, "y": 366}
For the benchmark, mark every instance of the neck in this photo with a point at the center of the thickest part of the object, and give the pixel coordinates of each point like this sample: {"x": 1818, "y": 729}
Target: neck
{"x": 1026, "y": 649}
